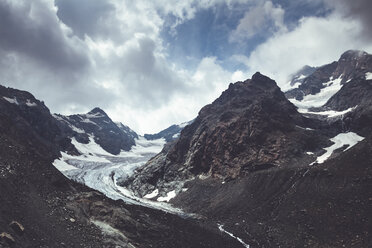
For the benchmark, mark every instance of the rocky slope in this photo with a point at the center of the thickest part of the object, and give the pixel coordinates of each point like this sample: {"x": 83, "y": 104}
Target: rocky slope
{"x": 97, "y": 125}
{"x": 275, "y": 174}
{"x": 250, "y": 127}
{"x": 41, "y": 208}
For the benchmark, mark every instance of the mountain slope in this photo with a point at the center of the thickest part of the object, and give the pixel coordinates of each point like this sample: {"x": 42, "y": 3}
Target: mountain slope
{"x": 250, "y": 127}
{"x": 97, "y": 125}
{"x": 41, "y": 208}
{"x": 271, "y": 175}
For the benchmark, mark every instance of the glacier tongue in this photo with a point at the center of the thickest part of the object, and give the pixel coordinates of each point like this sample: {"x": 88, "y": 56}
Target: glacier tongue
{"x": 100, "y": 170}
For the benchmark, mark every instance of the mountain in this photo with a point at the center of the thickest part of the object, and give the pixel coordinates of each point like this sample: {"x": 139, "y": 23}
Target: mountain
{"x": 97, "y": 125}
{"x": 277, "y": 169}
{"x": 298, "y": 77}
{"x": 42, "y": 208}
{"x": 170, "y": 133}
{"x": 328, "y": 79}
{"x": 250, "y": 127}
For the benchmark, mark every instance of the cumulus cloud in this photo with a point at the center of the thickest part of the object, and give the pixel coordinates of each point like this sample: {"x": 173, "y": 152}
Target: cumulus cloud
{"x": 315, "y": 41}
{"x": 76, "y": 55}
{"x": 263, "y": 18}
{"x": 31, "y": 28}
{"x": 357, "y": 9}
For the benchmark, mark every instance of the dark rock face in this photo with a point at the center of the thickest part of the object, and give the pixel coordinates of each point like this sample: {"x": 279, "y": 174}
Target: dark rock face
{"x": 351, "y": 65}
{"x": 26, "y": 118}
{"x": 250, "y": 127}
{"x": 293, "y": 207}
{"x": 111, "y": 137}
{"x": 246, "y": 161}
{"x": 300, "y": 75}
{"x": 356, "y": 94}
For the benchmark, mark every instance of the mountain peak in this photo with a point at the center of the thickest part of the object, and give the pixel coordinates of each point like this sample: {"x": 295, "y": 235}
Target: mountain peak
{"x": 352, "y": 54}
{"x": 96, "y": 111}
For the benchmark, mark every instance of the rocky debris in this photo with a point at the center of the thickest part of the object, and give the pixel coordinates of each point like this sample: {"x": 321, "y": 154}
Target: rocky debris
{"x": 17, "y": 227}
{"x": 135, "y": 226}
{"x": 250, "y": 127}
{"x": 96, "y": 123}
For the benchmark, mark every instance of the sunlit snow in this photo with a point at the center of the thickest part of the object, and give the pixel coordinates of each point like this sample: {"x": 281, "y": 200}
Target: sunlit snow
{"x": 319, "y": 99}
{"x": 339, "y": 141}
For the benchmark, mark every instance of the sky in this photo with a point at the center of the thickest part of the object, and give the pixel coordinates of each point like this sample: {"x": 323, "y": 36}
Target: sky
{"x": 153, "y": 63}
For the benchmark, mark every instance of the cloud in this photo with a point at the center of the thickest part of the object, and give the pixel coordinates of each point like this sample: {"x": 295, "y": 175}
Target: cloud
{"x": 76, "y": 55}
{"x": 262, "y": 18}
{"x": 96, "y": 18}
{"x": 357, "y": 9}
{"x": 315, "y": 41}
{"x": 31, "y": 28}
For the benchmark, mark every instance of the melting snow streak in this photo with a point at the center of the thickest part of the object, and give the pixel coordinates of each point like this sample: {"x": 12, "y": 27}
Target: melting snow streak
{"x": 232, "y": 235}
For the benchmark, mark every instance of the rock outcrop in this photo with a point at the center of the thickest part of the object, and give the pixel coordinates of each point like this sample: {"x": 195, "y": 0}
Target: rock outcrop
{"x": 97, "y": 124}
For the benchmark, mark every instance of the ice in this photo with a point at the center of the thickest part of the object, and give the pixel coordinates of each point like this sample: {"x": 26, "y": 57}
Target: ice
{"x": 11, "y": 100}
{"x": 61, "y": 165}
{"x": 232, "y": 235}
{"x": 339, "y": 141}
{"x": 170, "y": 195}
{"x": 101, "y": 170}
{"x": 368, "y": 75}
{"x": 318, "y": 100}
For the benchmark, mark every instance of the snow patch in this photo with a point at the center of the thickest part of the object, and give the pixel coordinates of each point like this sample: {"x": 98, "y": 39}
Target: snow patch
{"x": 232, "y": 235}
{"x": 170, "y": 195}
{"x": 152, "y": 194}
{"x": 328, "y": 113}
{"x": 309, "y": 153}
{"x": 91, "y": 148}
{"x": 339, "y": 141}
{"x": 368, "y": 75}
{"x": 319, "y": 99}
{"x": 30, "y": 104}
{"x": 11, "y": 100}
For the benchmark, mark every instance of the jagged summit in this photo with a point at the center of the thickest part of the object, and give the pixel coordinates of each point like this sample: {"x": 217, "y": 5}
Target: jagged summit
{"x": 98, "y": 110}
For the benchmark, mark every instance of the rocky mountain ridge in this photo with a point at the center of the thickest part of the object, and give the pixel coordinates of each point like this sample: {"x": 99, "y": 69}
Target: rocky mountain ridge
{"x": 98, "y": 125}
{"x": 260, "y": 164}
{"x": 42, "y": 208}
